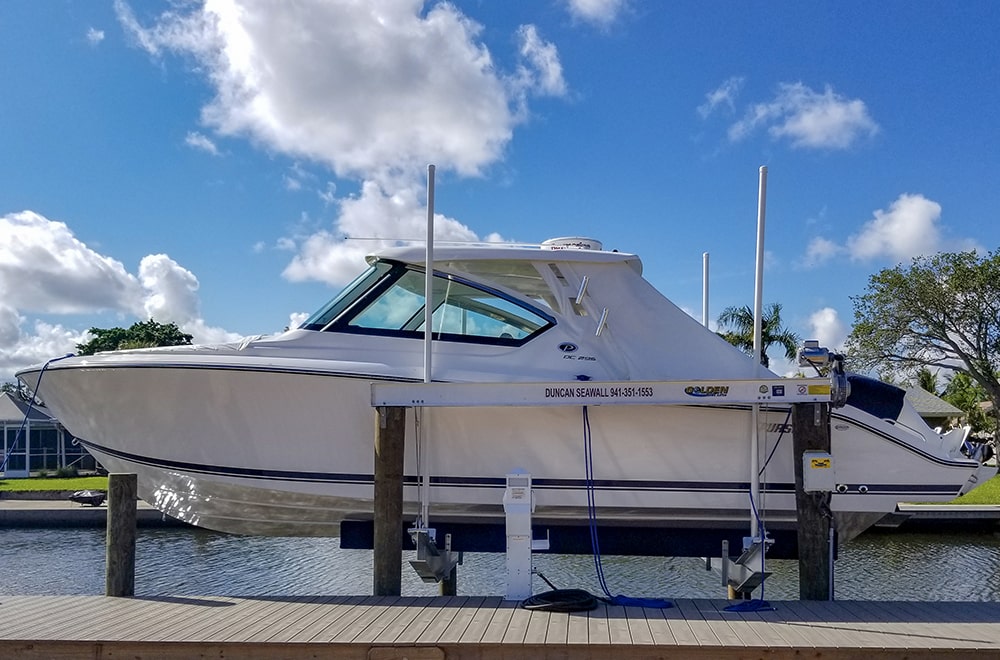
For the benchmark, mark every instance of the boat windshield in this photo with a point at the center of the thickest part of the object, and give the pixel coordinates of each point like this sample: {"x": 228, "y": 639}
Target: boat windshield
{"x": 389, "y": 300}
{"x": 351, "y": 292}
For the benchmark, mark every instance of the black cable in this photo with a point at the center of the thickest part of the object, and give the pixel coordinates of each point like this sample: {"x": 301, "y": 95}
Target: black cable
{"x": 546, "y": 580}
{"x": 561, "y": 600}
{"x": 781, "y": 435}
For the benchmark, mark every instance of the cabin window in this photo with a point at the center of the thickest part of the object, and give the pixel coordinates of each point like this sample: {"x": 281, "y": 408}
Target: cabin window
{"x": 521, "y": 277}
{"x": 393, "y": 304}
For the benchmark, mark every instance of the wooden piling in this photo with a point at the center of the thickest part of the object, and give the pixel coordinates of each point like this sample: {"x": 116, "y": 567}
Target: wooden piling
{"x": 390, "y": 432}
{"x": 811, "y": 432}
{"x": 732, "y": 593}
{"x": 119, "y": 570}
{"x": 449, "y": 583}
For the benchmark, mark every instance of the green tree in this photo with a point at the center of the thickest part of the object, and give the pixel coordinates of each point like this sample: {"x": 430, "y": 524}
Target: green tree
{"x": 941, "y": 311}
{"x": 143, "y": 334}
{"x": 17, "y": 389}
{"x": 927, "y": 380}
{"x": 965, "y": 394}
{"x": 737, "y": 325}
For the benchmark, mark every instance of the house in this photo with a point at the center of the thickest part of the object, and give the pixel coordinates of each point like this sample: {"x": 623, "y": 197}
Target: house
{"x": 33, "y": 440}
{"x": 933, "y": 409}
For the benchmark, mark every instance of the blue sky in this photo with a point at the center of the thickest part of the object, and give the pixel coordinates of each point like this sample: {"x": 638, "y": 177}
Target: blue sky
{"x": 202, "y": 163}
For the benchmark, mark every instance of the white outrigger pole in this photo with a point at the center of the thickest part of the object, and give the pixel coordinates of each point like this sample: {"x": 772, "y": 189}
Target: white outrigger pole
{"x": 757, "y": 347}
{"x": 428, "y": 343}
{"x": 429, "y": 276}
{"x": 704, "y": 289}
{"x": 432, "y": 564}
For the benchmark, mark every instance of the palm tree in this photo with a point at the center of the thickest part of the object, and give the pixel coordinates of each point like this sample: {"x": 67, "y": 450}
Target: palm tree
{"x": 737, "y": 328}
{"x": 927, "y": 380}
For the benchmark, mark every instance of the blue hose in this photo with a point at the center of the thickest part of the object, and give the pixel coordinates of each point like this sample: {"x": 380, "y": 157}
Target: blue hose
{"x": 588, "y": 454}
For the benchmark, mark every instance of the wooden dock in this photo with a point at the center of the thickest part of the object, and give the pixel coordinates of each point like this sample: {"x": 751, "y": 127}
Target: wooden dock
{"x": 464, "y": 627}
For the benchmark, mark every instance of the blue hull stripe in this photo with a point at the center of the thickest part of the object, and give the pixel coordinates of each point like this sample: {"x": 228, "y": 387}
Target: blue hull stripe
{"x": 500, "y": 483}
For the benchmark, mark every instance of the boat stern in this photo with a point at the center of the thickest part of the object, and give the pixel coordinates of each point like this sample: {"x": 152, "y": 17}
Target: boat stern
{"x": 983, "y": 473}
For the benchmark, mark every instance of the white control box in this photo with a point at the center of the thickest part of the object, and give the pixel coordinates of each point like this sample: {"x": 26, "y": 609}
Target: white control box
{"x": 818, "y": 474}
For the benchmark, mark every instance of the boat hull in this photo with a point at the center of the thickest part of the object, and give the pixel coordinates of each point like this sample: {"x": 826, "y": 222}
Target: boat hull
{"x": 289, "y": 452}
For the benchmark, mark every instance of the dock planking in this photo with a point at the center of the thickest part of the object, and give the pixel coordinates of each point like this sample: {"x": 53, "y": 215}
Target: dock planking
{"x": 485, "y": 627}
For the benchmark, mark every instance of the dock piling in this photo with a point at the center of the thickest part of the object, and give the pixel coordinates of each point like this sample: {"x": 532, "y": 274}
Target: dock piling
{"x": 449, "y": 583}
{"x": 120, "y": 545}
{"x": 387, "y": 559}
{"x": 811, "y": 432}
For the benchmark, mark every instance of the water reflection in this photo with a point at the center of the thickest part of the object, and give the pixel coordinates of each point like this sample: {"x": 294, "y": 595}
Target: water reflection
{"x": 193, "y": 562}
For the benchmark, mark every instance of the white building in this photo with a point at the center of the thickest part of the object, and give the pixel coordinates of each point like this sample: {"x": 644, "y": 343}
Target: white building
{"x": 34, "y": 441}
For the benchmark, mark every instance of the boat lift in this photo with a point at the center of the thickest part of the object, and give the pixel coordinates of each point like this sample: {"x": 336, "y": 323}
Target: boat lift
{"x": 743, "y": 574}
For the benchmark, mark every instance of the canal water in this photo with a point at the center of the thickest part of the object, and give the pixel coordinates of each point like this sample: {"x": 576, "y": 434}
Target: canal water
{"x": 962, "y": 566}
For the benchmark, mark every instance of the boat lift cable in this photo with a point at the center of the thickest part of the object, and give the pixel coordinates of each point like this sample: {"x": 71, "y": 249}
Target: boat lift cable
{"x": 781, "y": 434}
{"x": 27, "y": 413}
{"x": 592, "y": 519}
{"x": 767, "y": 461}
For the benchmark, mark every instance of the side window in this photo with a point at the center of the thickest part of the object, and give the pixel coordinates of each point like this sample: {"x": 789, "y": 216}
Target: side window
{"x": 347, "y": 297}
{"x": 475, "y": 313}
{"x": 398, "y": 307}
{"x": 462, "y": 312}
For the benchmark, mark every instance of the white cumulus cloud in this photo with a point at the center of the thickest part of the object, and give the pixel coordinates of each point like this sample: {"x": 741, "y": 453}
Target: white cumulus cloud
{"x": 172, "y": 290}
{"x": 809, "y": 119}
{"x": 598, "y": 12}
{"x": 909, "y": 228}
{"x": 201, "y": 142}
{"x": 724, "y": 95}
{"x": 373, "y": 90}
{"x": 20, "y": 347}
{"x": 45, "y": 268}
{"x": 826, "y": 327}
{"x": 819, "y": 251}
{"x": 371, "y": 219}
{"x": 171, "y": 296}
{"x": 295, "y": 319}
{"x": 543, "y": 58}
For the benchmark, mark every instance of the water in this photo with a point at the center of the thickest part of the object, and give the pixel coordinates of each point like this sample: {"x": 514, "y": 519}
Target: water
{"x": 190, "y": 562}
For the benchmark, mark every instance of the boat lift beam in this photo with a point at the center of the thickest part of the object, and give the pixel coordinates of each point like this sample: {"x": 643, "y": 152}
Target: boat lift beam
{"x": 604, "y": 393}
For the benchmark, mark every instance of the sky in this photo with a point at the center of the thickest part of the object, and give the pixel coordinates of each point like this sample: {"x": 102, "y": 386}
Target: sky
{"x": 226, "y": 165}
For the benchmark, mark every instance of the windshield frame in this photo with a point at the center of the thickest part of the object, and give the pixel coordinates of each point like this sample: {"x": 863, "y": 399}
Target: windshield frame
{"x": 382, "y": 276}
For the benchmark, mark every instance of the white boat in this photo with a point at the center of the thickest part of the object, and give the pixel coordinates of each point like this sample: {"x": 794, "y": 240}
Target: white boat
{"x": 274, "y": 435}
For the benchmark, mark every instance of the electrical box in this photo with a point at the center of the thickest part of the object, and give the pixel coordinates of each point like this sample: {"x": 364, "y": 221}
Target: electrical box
{"x": 818, "y": 475}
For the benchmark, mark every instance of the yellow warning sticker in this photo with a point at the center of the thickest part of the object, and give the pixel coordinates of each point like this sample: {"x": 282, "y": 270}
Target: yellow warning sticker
{"x": 819, "y": 463}
{"x": 819, "y": 389}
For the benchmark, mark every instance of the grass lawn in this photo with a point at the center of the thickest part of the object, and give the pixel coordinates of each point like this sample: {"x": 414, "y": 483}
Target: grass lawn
{"x": 54, "y": 483}
{"x": 988, "y": 493}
